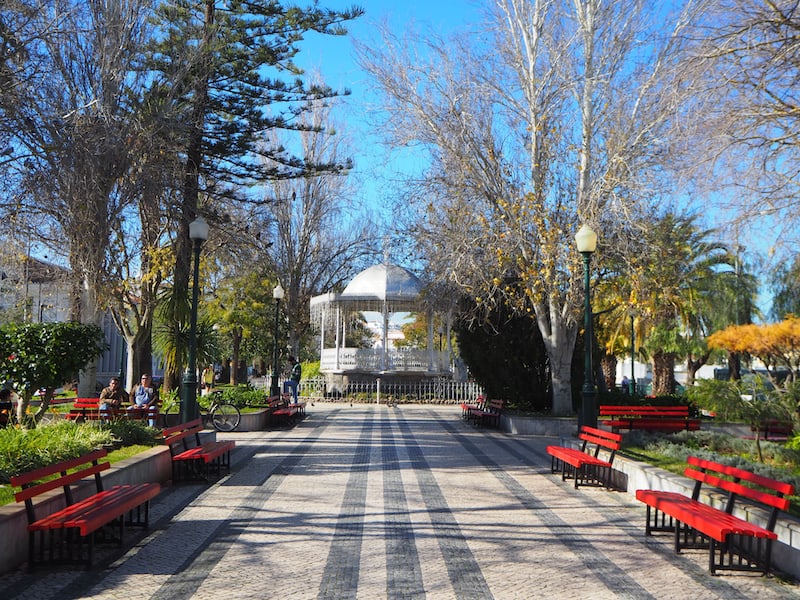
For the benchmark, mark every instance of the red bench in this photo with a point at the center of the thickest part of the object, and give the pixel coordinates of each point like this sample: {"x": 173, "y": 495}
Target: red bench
{"x": 489, "y": 414}
{"x": 747, "y": 545}
{"x": 466, "y": 407}
{"x": 88, "y": 409}
{"x": 585, "y": 465}
{"x": 288, "y": 412}
{"x": 62, "y": 534}
{"x": 652, "y": 418}
{"x": 190, "y": 455}
{"x": 773, "y": 430}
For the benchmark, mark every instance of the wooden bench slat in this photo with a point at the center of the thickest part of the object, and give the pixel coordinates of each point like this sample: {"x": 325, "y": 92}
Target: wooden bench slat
{"x": 87, "y": 515}
{"x": 718, "y": 526}
{"x": 580, "y": 459}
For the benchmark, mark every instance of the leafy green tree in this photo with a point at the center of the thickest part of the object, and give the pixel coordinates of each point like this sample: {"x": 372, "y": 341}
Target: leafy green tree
{"x": 674, "y": 274}
{"x": 753, "y": 401}
{"x": 506, "y": 355}
{"x": 242, "y": 308}
{"x": 171, "y": 336}
{"x": 218, "y": 70}
{"x": 785, "y": 285}
{"x": 37, "y": 356}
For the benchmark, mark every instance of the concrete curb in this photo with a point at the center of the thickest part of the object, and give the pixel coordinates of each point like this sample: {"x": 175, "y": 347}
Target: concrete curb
{"x": 153, "y": 465}
{"x": 634, "y": 475}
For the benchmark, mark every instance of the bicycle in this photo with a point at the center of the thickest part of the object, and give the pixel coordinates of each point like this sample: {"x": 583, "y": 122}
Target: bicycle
{"x": 222, "y": 415}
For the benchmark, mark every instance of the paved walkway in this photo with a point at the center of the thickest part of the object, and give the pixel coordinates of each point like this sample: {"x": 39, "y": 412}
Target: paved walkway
{"x": 369, "y": 502}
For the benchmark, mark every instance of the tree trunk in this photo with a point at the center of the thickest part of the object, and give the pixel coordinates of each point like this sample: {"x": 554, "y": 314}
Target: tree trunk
{"x": 559, "y": 341}
{"x": 236, "y": 342}
{"x": 663, "y": 373}
{"x": 692, "y": 366}
{"x": 734, "y": 366}
{"x": 609, "y": 365}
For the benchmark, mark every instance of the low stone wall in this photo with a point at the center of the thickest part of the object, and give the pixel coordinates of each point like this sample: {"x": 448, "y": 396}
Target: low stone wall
{"x": 254, "y": 421}
{"x": 632, "y": 475}
{"x": 554, "y": 426}
{"x": 154, "y": 464}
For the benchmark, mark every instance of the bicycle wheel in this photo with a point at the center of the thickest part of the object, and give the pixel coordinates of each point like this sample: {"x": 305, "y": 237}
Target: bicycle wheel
{"x": 172, "y": 415}
{"x": 225, "y": 417}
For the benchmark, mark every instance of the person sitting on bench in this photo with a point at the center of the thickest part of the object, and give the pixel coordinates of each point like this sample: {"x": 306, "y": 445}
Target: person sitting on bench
{"x": 112, "y": 397}
{"x": 144, "y": 396}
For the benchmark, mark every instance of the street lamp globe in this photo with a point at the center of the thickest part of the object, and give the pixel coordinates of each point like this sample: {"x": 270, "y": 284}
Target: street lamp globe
{"x": 586, "y": 239}
{"x": 198, "y": 229}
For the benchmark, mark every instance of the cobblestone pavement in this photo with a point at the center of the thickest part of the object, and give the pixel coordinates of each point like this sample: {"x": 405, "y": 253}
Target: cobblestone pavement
{"x": 368, "y": 502}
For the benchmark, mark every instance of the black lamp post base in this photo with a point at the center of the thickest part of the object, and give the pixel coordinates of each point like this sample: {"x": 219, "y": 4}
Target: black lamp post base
{"x": 273, "y": 386}
{"x": 588, "y": 412}
{"x": 189, "y": 409}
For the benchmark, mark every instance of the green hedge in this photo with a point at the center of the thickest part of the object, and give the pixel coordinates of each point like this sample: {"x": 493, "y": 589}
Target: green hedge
{"x": 25, "y": 449}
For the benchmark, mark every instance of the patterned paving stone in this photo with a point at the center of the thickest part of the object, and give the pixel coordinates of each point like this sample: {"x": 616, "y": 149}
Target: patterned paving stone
{"x": 369, "y": 502}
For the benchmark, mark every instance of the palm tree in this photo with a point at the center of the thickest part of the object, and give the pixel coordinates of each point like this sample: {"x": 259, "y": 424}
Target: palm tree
{"x": 672, "y": 280}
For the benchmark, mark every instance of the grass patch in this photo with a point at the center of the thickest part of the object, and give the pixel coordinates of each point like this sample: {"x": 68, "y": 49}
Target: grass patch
{"x": 7, "y": 491}
{"x": 23, "y": 450}
{"x": 669, "y": 452}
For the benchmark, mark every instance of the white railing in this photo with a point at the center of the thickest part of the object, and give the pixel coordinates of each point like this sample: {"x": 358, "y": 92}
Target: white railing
{"x": 397, "y": 359}
{"x": 438, "y": 390}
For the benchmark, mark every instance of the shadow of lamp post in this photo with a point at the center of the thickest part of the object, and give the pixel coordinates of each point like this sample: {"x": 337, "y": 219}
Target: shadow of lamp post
{"x": 277, "y": 293}
{"x": 586, "y": 240}
{"x": 198, "y": 233}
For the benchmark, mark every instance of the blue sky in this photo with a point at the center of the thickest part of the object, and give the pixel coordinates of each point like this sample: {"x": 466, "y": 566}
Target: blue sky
{"x": 334, "y": 58}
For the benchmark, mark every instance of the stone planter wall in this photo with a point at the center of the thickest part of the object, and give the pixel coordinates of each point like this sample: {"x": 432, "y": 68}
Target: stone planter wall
{"x": 154, "y": 464}
{"x": 632, "y": 475}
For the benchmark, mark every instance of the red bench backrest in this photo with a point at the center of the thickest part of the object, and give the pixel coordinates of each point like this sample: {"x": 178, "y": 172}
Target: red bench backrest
{"x": 177, "y": 433}
{"x": 681, "y": 411}
{"x": 494, "y": 405}
{"x": 28, "y": 480}
{"x": 599, "y": 437}
{"x": 709, "y": 472}
{"x": 86, "y": 403}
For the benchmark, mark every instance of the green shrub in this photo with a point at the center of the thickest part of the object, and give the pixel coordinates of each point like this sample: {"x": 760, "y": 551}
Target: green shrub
{"x": 781, "y": 461}
{"x": 25, "y": 449}
{"x": 243, "y": 395}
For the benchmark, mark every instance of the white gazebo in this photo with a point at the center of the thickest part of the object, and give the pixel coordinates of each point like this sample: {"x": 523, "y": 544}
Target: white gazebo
{"x": 389, "y": 291}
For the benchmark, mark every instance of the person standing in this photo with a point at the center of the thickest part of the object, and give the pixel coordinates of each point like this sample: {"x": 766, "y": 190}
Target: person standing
{"x": 207, "y": 380}
{"x": 294, "y": 378}
{"x": 112, "y": 397}
{"x": 144, "y": 395}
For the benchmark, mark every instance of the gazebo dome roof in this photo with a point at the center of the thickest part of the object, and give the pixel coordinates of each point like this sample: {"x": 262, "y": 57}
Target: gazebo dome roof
{"x": 384, "y": 282}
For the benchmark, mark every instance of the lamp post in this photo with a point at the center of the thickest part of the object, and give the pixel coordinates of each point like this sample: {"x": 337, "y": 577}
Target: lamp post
{"x": 198, "y": 233}
{"x": 586, "y": 240}
{"x": 277, "y": 293}
{"x": 632, "y": 382}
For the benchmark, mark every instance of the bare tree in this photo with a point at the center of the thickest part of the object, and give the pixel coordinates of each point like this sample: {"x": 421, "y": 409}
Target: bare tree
{"x": 321, "y": 236}
{"x": 544, "y": 120}
{"x": 747, "y": 65}
{"x": 66, "y": 120}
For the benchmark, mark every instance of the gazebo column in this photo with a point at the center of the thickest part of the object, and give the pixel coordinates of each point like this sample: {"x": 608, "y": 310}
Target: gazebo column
{"x": 431, "y": 349}
{"x": 338, "y": 345}
{"x": 385, "y": 336}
